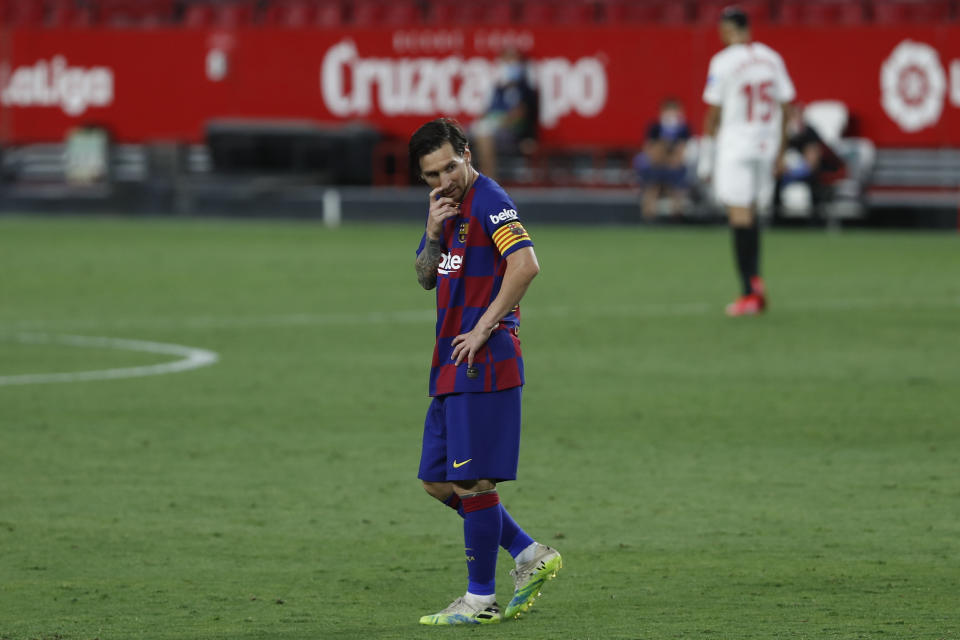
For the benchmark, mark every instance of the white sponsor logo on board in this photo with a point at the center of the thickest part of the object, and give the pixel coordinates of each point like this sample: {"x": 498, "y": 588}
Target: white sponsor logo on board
{"x": 57, "y": 84}
{"x": 354, "y": 85}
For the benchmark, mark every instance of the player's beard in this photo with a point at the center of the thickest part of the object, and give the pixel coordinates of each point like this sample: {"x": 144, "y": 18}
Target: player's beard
{"x": 455, "y": 193}
{"x": 457, "y": 190}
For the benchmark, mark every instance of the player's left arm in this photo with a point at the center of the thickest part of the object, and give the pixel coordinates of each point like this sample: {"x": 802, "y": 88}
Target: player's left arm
{"x": 522, "y": 268}
{"x": 705, "y": 158}
{"x": 711, "y": 121}
{"x": 713, "y": 94}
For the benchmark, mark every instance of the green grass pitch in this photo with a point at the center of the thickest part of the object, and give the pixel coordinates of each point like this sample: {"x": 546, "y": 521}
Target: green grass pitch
{"x": 790, "y": 476}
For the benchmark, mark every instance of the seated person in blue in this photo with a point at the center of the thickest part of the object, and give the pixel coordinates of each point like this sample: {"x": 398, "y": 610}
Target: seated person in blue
{"x": 660, "y": 166}
{"x": 807, "y": 160}
{"x": 509, "y": 125}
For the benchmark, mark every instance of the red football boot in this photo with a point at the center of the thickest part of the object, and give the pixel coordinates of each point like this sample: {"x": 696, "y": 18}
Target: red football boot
{"x": 748, "y": 305}
{"x": 760, "y": 290}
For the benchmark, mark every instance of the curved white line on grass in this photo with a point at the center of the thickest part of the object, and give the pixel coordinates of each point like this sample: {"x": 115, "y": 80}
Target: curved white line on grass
{"x": 426, "y": 316}
{"x": 190, "y": 358}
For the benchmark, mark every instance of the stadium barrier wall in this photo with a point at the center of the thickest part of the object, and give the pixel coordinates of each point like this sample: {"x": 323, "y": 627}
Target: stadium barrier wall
{"x": 598, "y": 85}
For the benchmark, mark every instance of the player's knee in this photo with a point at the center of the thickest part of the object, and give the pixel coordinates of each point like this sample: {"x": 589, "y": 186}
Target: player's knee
{"x": 439, "y": 490}
{"x": 741, "y": 217}
{"x": 464, "y": 487}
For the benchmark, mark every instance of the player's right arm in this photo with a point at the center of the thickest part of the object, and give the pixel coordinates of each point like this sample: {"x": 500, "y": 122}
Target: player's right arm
{"x": 785, "y": 115}
{"x": 783, "y": 94}
{"x": 432, "y": 253}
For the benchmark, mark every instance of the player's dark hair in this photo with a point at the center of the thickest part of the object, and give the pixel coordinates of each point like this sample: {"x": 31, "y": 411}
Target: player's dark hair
{"x": 433, "y": 135}
{"x": 735, "y": 16}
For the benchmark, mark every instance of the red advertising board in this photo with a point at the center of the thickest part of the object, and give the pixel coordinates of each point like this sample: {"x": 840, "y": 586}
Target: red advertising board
{"x": 598, "y": 85}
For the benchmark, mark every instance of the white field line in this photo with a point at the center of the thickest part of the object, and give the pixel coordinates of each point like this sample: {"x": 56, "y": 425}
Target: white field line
{"x": 190, "y": 358}
{"x": 427, "y": 315}
{"x": 193, "y": 358}
{"x": 239, "y": 321}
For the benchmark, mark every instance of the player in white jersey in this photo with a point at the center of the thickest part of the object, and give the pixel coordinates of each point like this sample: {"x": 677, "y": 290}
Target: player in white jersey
{"x": 748, "y": 90}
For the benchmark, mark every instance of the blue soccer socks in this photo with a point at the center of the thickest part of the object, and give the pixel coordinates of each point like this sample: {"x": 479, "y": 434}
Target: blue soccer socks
{"x": 455, "y": 503}
{"x": 482, "y": 527}
{"x": 512, "y": 537}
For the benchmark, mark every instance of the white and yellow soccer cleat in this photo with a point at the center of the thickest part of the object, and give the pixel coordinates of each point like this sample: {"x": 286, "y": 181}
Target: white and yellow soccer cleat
{"x": 528, "y": 579}
{"x": 460, "y": 612}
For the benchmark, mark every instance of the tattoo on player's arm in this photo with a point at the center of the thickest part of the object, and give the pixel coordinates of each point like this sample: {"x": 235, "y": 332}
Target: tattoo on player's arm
{"x": 427, "y": 263}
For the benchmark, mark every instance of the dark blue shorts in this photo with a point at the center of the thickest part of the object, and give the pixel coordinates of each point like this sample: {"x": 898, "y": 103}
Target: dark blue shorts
{"x": 469, "y": 436}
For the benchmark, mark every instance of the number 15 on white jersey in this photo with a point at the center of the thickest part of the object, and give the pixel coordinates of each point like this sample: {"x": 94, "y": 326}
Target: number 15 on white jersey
{"x": 749, "y": 82}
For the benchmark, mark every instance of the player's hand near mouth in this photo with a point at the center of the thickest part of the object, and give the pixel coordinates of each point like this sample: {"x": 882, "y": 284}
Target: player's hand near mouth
{"x": 440, "y": 209}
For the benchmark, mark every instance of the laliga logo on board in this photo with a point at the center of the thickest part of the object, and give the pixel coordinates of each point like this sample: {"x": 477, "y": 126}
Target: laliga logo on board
{"x": 452, "y": 85}
{"x": 913, "y": 85}
{"x": 54, "y": 83}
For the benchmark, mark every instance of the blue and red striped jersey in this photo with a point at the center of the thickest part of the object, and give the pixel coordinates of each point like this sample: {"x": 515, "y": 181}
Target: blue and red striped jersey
{"x": 476, "y": 244}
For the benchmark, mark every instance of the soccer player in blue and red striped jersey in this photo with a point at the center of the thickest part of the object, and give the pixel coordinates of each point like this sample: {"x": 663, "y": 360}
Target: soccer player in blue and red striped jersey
{"x": 477, "y": 255}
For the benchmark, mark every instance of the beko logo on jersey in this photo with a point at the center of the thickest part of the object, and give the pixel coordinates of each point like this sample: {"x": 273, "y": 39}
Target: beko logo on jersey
{"x": 449, "y": 262}
{"x": 503, "y": 216}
